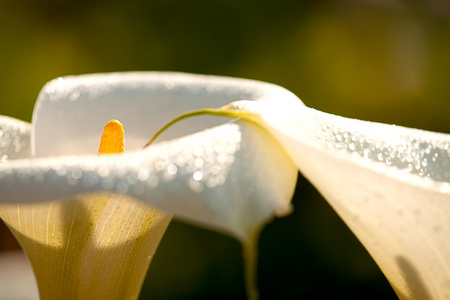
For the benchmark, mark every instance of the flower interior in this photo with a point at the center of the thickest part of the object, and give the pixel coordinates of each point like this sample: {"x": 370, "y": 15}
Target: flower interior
{"x": 95, "y": 246}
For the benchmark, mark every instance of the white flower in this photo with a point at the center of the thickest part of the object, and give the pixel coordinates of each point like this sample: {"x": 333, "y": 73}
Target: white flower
{"x": 389, "y": 184}
{"x": 232, "y": 178}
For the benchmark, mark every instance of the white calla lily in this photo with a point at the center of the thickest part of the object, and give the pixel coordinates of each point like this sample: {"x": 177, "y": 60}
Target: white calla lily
{"x": 225, "y": 172}
{"x": 233, "y": 178}
{"x": 389, "y": 184}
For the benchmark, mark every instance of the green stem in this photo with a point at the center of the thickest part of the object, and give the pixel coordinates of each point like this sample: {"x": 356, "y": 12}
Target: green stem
{"x": 221, "y": 112}
{"x": 250, "y": 256}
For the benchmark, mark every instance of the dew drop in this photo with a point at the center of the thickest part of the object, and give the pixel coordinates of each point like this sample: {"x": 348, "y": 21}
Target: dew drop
{"x": 170, "y": 85}
{"x": 103, "y": 171}
{"x": 75, "y": 95}
{"x": 131, "y": 179}
{"x": 61, "y": 171}
{"x": 380, "y": 156}
{"x": 389, "y": 161}
{"x": 197, "y": 176}
{"x": 172, "y": 170}
{"x": 76, "y": 174}
{"x": 351, "y": 146}
{"x": 329, "y": 144}
{"x": 152, "y": 181}
{"x": 160, "y": 165}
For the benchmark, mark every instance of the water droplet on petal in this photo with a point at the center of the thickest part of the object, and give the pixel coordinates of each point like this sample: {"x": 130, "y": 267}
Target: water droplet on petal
{"x": 172, "y": 170}
{"x": 160, "y": 165}
{"x": 197, "y": 176}
{"x": 76, "y": 174}
{"x": 75, "y": 95}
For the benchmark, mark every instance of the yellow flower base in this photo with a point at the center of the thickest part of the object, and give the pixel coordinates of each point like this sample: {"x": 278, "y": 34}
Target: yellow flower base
{"x": 97, "y": 246}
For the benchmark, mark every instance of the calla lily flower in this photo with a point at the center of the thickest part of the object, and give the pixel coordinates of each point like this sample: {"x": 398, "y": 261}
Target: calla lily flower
{"x": 390, "y": 184}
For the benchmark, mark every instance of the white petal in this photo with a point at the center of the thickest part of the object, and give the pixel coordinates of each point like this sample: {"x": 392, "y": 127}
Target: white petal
{"x": 71, "y": 112}
{"x": 234, "y": 178}
{"x": 14, "y": 139}
{"x": 390, "y": 184}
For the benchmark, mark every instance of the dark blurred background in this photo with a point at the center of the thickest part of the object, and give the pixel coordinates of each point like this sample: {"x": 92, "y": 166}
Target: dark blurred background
{"x": 379, "y": 60}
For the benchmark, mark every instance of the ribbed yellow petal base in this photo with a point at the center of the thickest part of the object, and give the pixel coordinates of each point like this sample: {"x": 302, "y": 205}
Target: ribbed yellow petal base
{"x": 97, "y": 246}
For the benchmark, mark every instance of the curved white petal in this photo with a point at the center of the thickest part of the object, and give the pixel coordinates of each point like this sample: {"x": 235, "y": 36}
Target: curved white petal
{"x": 390, "y": 184}
{"x": 70, "y": 112}
{"x": 233, "y": 178}
{"x": 14, "y": 139}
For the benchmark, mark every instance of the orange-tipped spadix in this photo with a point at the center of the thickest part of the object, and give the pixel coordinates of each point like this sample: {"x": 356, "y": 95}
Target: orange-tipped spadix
{"x": 112, "y": 138}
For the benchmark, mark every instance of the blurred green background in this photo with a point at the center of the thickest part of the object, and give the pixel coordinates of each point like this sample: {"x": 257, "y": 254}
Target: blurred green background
{"x": 379, "y": 60}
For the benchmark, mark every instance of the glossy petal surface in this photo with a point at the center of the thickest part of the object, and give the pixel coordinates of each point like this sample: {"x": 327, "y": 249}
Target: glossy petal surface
{"x": 15, "y": 138}
{"x": 390, "y": 184}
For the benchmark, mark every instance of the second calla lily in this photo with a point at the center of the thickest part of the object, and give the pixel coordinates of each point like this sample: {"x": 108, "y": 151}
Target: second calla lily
{"x": 391, "y": 185}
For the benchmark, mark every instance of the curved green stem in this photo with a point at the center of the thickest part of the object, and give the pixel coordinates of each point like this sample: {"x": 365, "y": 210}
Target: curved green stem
{"x": 250, "y": 256}
{"x": 225, "y": 111}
